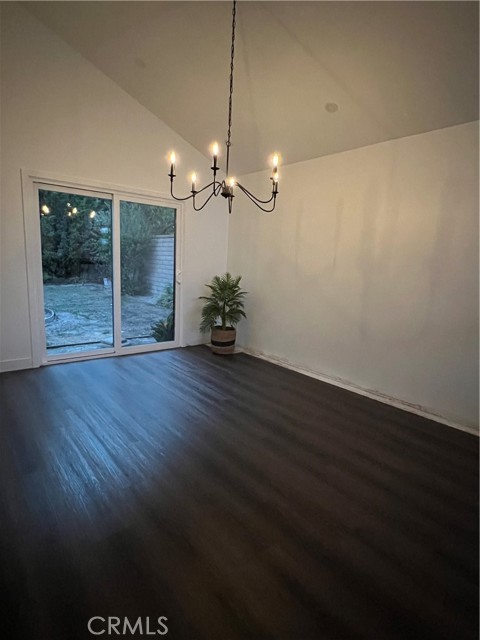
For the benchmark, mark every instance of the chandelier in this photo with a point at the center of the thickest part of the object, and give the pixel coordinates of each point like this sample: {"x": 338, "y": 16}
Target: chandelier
{"x": 226, "y": 187}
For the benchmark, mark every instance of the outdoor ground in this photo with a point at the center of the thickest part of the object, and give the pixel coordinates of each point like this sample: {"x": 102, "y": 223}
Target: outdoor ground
{"x": 83, "y": 314}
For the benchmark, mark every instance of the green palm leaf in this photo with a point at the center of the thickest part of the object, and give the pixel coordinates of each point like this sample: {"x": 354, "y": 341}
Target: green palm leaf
{"x": 225, "y": 304}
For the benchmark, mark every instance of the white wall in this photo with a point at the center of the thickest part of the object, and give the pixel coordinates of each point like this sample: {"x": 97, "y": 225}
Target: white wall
{"x": 368, "y": 269}
{"x": 60, "y": 115}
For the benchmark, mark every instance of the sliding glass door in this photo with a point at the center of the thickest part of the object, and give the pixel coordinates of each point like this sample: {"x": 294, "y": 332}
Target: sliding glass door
{"x": 76, "y": 240}
{"x": 108, "y": 272}
{"x": 147, "y": 267}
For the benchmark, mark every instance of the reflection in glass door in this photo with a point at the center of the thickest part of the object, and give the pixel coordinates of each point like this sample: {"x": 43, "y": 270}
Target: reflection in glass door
{"x": 76, "y": 246}
{"x": 147, "y": 271}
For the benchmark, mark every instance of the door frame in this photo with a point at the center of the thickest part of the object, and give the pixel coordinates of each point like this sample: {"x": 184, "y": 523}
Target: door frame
{"x": 31, "y": 181}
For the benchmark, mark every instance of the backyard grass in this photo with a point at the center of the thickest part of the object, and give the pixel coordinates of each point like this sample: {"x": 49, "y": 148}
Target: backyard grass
{"x": 83, "y": 314}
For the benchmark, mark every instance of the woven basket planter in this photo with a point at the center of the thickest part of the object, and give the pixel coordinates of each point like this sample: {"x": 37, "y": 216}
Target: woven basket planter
{"x": 223, "y": 340}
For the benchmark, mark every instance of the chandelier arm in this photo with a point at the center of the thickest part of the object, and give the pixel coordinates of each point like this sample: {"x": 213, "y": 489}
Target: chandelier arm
{"x": 213, "y": 184}
{"x": 209, "y": 197}
{"x": 254, "y": 198}
{"x": 175, "y": 197}
{"x": 256, "y": 202}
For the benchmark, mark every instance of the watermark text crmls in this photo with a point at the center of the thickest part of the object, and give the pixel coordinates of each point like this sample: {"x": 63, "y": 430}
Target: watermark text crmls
{"x": 114, "y": 626}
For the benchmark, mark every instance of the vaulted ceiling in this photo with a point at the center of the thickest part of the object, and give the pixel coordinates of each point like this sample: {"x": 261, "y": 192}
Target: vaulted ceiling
{"x": 311, "y": 78}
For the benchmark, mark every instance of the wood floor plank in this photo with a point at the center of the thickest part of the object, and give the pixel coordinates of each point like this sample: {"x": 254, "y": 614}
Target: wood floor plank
{"x": 239, "y": 499}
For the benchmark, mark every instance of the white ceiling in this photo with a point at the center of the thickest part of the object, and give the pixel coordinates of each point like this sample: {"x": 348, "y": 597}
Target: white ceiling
{"x": 393, "y": 68}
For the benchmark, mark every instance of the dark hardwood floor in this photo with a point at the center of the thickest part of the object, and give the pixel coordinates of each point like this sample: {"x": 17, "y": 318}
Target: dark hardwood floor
{"x": 234, "y": 497}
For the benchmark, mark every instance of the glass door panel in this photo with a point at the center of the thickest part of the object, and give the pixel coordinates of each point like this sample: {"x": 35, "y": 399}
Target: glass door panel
{"x": 147, "y": 265}
{"x": 76, "y": 243}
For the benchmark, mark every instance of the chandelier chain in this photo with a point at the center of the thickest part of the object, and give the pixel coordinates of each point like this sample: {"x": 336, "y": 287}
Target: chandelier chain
{"x": 230, "y": 99}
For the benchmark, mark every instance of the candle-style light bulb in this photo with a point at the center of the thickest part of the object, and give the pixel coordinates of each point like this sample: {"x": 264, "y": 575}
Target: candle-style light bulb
{"x": 92, "y": 214}
{"x": 275, "y": 173}
{"x": 231, "y": 182}
{"x": 172, "y": 165}
{"x": 194, "y": 180}
{"x": 215, "y": 159}
{"x": 275, "y": 181}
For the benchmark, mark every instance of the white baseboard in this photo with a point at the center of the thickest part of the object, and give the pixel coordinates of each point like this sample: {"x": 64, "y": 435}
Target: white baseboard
{"x": 375, "y": 395}
{"x": 15, "y": 365}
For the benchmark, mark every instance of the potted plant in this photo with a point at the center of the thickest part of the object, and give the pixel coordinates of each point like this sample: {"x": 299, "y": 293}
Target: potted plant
{"x": 222, "y": 311}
